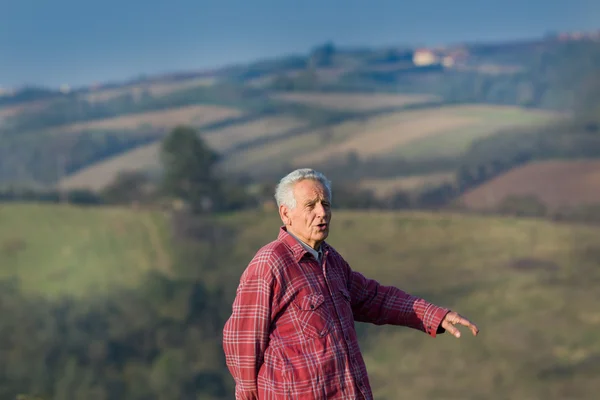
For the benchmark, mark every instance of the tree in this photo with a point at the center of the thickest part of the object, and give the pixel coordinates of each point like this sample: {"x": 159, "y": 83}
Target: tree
{"x": 128, "y": 187}
{"x": 189, "y": 169}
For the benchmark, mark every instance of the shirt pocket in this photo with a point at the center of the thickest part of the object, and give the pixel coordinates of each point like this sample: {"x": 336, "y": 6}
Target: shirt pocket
{"x": 313, "y": 315}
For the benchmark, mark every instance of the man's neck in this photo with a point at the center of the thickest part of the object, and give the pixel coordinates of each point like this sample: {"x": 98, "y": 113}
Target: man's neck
{"x": 317, "y": 253}
{"x": 315, "y": 248}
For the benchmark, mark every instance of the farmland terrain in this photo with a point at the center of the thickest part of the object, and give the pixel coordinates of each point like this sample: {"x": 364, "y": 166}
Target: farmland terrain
{"x": 317, "y": 108}
{"x": 559, "y": 183}
{"x": 410, "y": 134}
{"x": 390, "y": 135}
{"x": 374, "y": 119}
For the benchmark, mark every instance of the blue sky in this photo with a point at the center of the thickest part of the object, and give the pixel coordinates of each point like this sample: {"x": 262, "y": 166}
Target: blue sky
{"x": 50, "y": 42}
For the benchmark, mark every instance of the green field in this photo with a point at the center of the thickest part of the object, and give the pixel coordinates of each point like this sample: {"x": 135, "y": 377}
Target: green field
{"x": 57, "y": 250}
{"x": 530, "y": 285}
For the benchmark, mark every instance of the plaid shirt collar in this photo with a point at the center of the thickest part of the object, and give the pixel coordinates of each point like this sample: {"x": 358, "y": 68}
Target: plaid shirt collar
{"x": 298, "y": 248}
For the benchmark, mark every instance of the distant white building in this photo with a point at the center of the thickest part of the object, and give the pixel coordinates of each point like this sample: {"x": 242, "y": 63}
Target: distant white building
{"x": 422, "y": 57}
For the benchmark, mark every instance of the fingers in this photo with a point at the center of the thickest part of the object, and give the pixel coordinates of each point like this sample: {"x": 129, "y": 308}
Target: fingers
{"x": 451, "y": 329}
{"x": 465, "y": 322}
{"x": 454, "y": 318}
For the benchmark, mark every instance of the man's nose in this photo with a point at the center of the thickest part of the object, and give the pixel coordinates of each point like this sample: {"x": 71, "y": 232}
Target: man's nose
{"x": 320, "y": 209}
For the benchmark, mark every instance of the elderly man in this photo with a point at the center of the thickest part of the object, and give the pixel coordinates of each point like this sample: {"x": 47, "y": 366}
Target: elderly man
{"x": 291, "y": 333}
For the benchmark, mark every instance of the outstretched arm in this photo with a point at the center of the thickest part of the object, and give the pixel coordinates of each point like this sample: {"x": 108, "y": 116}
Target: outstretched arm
{"x": 381, "y": 305}
{"x": 246, "y": 334}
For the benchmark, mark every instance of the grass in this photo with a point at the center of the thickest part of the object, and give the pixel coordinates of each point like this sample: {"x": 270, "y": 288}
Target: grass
{"x": 57, "y": 250}
{"x": 538, "y": 317}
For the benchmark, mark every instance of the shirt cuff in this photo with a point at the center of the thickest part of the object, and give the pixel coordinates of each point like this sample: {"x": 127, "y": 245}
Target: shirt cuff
{"x": 433, "y": 320}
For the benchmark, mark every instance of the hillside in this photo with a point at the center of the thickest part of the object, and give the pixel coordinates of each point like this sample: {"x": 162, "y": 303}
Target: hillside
{"x": 555, "y": 183}
{"x": 59, "y": 251}
{"x": 509, "y": 275}
{"x": 425, "y": 134}
{"x": 372, "y": 119}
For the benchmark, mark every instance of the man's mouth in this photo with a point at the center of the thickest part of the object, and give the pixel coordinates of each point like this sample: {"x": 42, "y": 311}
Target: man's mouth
{"x": 322, "y": 226}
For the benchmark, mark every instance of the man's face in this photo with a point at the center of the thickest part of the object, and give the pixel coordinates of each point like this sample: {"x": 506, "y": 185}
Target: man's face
{"x": 310, "y": 219}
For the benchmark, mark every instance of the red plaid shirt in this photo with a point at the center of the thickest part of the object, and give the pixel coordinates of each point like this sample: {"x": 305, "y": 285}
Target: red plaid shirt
{"x": 291, "y": 333}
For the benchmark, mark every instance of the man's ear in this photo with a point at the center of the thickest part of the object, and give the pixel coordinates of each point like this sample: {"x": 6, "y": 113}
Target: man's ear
{"x": 284, "y": 213}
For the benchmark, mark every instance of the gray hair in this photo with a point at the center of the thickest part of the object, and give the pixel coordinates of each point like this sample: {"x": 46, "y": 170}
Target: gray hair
{"x": 284, "y": 191}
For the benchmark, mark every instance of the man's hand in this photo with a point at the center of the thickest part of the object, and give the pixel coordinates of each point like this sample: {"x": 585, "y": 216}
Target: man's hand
{"x": 453, "y": 318}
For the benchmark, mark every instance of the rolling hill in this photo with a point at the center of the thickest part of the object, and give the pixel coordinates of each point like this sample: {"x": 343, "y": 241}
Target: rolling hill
{"x": 98, "y": 176}
{"x": 423, "y": 134}
{"x": 511, "y": 276}
{"x": 411, "y": 134}
{"x": 556, "y": 183}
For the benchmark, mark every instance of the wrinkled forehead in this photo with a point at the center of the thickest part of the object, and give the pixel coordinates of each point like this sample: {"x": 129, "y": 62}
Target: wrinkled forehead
{"x": 310, "y": 190}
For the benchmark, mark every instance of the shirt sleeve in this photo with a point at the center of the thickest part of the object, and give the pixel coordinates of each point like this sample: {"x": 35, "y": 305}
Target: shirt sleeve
{"x": 246, "y": 333}
{"x": 378, "y": 304}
